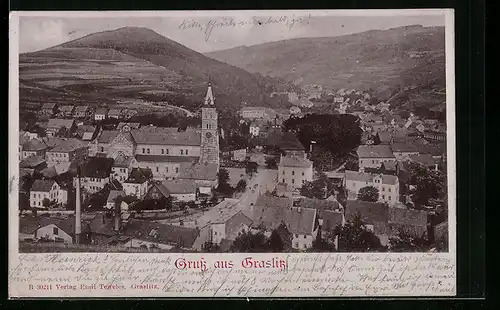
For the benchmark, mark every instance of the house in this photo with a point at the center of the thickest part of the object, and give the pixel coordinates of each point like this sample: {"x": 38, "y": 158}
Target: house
{"x": 95, "y": 173}
{"x": 127, "y": 126}
{"x": 403, "y": 151}
{"x": 256, "y": 127}
{"x": 331, "y": 220}
{"x": 60, "y": 127}
{"x": 253, "y": 112}
{"x": 100, "y": 114}
{"x": 53, "y": 229}
{"x": 34, "y": 147}
{"x": 387, "y": 185}
{"x": 148, "y": 234}
{"x": 204, "y": 175}
{"x": 86, "y": 132}
{"x": 222, "y": 223}
{"x": 82, "y": 111}
{"x": 67, "y": 151}
{"x": 236, "y": 154}
{"x": 295, "y": 171}
{"x": 386, "y": 221}
{"x": 434, "y": 135}
{"x": 56, "y": 170}
{"x": 115, "y": 114}
{"x": 67, "y": 110}
{"x": 373, "y": 155}
{"x": 304, "y": 102}
{"x": 47, "y": 189}
{"x": 320, "y": 205}
{"x": 158, "y": 195}
{"x": 34, "y": 162}
{"x": 49, "y": 109}
{"x": 300, "y": 222}
{"x": 338, "y": 99}
{"x": 111, "y": 200}
{"x": 295, "y": 110}
{"x": 425, "y": 160}
{"x": 270, "y": 201}
{"x": 181, "y": 190}
{"x": 122, "y": 166}
{"x": 137, "y": 182}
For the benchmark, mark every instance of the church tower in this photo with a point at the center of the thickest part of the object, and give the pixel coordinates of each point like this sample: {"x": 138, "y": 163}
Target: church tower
{"x": 209, "y": 131}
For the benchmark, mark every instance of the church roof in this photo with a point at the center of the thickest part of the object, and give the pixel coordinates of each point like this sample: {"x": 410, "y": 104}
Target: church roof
{"x": 167, "y": 136}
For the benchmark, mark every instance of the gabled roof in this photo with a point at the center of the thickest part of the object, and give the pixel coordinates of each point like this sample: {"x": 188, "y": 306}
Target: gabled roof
{"x": 34, "y": 145}
{"x": 57, "y": 123}
{"x": 82, "y": 108}
{"x": 101, "y": 111}
{"x": 32, "y": 161}
{"x": 67, "y": 108}
{"x": 180, "y": 186}
{"x": 131, "y": 125}
{"x": 369, "y": 177}
{"x": 48, "y": 105}
{"x": 374, "y": 151}
{"x": 321, "y": 205}
{"x": 139, "y": 175}
{"x": 297, "y": 220}
{"x": 114, "y": 112}
{"x": 122, "y": 161}
{"x": 97, "y": 167}
{"x": 107, "y": 136}
{"x": 278, "y": 202}
{"x": 405, "y": 216}
{"x": 404, "y": 147}
{"x": 29, "y": 224}
{"x": 371, "y": 212}
{"x": 68, "y": 145}
{"x": 166, "y": 159}
{"x": 42, "y": 185}
{"x": 167, "y": 136}
{"x": 198, "y": 171}
{"x": 234, "y": 223}
{"x": 161, "y": 233}
{"x": 113, "y": 194}
{"x": 424, "y": 159}
{"x": 331, "y": 219}
{"x": 295, "y": 161}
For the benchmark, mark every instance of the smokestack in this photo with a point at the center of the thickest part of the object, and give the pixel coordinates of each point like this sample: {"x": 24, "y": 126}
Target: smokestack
{"x": 78, "y": 222}
{"x": 118, "y": 214}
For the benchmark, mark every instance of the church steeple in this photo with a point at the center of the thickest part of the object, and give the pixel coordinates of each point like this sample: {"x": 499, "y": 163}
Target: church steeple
{"x": 209, "y": 98}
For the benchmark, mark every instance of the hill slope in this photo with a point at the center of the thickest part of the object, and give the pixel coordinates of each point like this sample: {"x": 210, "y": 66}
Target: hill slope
{"x": 132, "y": 64}
{"x": 377, "y": 59}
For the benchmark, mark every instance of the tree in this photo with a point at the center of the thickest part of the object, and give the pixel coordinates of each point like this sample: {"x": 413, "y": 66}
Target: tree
{"x": 318, "y": 189}
{"x": 271, "y": 163}
{"x": 46, "y": 202}
{"x": 250, "y": 242}
{"x": 223, "y": 187}
{"x": 427, "y": 184}
{"x": 275, "y": 244}
{"x": 368, "y": 193}
{"x": 129, "y": 199}
{"x": 321, "y": 245}
{"x": 406, "y": 241}
{"x": 351, "y": 165}
{"x": 242, "y": 184}
{"x": 355, "y": 237}
{"x": 323, "y": 159}
{"x": 251, "y": 168}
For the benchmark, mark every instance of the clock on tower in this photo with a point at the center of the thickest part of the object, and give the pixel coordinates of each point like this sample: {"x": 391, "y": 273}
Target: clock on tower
{"x": 209, "y": 130}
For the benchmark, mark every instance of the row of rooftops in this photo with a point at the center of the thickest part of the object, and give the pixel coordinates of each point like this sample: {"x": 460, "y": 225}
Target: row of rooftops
{"x": 387, "y": 151}
{"x": 155, "y": 136}
{"x": 370, "y": 177}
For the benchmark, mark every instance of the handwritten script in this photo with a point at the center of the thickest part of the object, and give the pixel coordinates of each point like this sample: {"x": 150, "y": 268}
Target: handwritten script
{"x": 305, "y": 275}
{"x": 208, "y": 27}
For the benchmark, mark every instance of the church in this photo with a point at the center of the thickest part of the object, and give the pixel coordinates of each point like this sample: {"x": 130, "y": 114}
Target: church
{"x": 171, "y": 154}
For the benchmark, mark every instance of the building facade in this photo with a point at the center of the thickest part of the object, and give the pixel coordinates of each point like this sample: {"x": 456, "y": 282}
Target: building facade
{"x": 294, "y": 171}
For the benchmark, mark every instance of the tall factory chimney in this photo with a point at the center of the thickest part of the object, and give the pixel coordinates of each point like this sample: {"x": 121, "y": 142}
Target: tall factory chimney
{"x": 118, "y": 213}
{"x": 78, "y": 221}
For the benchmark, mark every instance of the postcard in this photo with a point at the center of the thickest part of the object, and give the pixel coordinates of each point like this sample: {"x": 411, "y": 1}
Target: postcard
{"x": 232, "y": 154}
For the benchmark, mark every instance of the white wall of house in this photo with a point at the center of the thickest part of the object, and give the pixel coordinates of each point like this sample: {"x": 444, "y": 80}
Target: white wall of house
{"x": 294, "y": 177}
{"x": 119, "y": 173}
{"x": 161, "y": 170}
{"x": 373, "y": 162}
{"x": 218, "y": 232}
{"x": 99, "y": 117}
{"x": 93, "y": 185}
{"x": 135, "y": 189}
{"x": 402, "y": 156}
{"x": 55, "y": 194}
{"x": 254, "y": 130}
{"x": 184, "y": 197}
{"x": 257, "y": 113}
{"x": 136, "y": 243}
{"x": 302, "y": 242}
{"x": 111, "y": 206}
{"x": 51, "y": 232}
{"x": 387, "y": 192}
{"x": 168, "y": 150}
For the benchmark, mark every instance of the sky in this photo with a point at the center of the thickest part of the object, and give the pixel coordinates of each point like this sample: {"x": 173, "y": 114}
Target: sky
{"x": 215, "y": 32}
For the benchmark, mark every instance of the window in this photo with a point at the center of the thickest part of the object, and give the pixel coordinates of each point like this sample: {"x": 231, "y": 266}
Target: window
{"x": 383, "y": 189}
{"x": 304, "y": 236}
{"x": 389, "y": 189}
{"x": 383, "y": 196}
{"x": 303, "y": 173}
{"x": 182, "y": 152}
{"x": 176, "y": 170}
{"x": 283, "y": 180}
{"x": 296, "y": 236}
{"x": 143, "y": 151}
{"x": 283, "y": 172}
{"x": 167, "y": 151}
{"x": 55, "y": 230}
{"x": 166, "y": 169}
{"x": 215, "y": 233}
{"x": 293, "y": 181}
{"x": 361, "y": 161}
{"x": 303, "y": 181}
{"x": 157, "y": 169}
{"x": 293, "y": 172}
{"x": 162, "y": 151}
{"x": 389, "y": 197}
{"x": 186, "y": 152}
{"x": 148, "y": 151}
{"x": 373, "y": 161}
